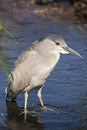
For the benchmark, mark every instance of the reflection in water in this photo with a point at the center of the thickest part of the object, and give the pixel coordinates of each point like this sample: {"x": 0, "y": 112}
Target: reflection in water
{"x": 15, "y": 120}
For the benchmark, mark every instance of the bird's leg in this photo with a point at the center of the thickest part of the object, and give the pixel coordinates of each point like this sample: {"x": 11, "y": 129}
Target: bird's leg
{"x": 40, "y": 97}
{"x": 25, "y": 100}
{"x": 41, "y": 101}
{"x": 25, "y": 103}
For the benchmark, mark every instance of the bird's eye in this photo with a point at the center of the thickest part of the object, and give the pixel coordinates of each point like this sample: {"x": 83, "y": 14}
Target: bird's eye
{"x": 57, "y": 43}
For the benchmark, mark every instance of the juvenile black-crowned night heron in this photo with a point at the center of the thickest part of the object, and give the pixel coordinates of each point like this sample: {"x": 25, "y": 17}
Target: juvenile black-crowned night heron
{"x": 34, "y": 65}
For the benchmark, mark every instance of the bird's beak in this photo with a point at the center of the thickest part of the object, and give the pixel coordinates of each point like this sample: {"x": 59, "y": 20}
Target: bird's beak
{"x": 71, "y": 51}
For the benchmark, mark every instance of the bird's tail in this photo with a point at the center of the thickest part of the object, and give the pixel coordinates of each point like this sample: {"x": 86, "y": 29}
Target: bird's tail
{"x": 10, "y": 94}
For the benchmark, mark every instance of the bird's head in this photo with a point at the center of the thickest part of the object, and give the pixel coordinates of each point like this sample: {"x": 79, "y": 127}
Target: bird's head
{"x": 57, "y": 43}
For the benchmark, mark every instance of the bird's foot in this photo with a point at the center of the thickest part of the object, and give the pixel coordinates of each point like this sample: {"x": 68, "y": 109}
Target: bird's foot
{"x": 25, "y": 112}
{"x": 47, "y": 108}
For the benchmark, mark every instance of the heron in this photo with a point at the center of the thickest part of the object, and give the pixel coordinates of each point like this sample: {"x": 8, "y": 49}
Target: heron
{"x": 34, "y": 65}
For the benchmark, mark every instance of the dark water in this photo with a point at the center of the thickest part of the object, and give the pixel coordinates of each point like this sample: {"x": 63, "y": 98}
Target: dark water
{"x": 65, "y": 92}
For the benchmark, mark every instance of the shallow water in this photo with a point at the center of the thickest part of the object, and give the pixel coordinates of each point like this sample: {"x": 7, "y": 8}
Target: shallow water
{"x": 65, "y": 92}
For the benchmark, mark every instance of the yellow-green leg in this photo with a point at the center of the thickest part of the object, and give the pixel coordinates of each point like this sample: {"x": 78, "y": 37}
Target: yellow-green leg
{"x": 40, "y": 97}
{"x": 25, "y": 103}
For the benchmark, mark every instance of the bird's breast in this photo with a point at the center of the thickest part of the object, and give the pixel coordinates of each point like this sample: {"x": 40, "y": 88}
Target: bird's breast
{"x": 43, "y": 70}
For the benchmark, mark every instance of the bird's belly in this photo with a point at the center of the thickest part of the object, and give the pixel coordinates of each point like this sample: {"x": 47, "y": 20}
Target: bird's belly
{"x": 41, "y": 73}
{"x": 39, "y": 79}
{"x": 36, "y": 83}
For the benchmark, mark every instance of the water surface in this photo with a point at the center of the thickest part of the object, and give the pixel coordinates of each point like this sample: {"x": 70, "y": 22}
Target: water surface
{"x": 65, "y": 92}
